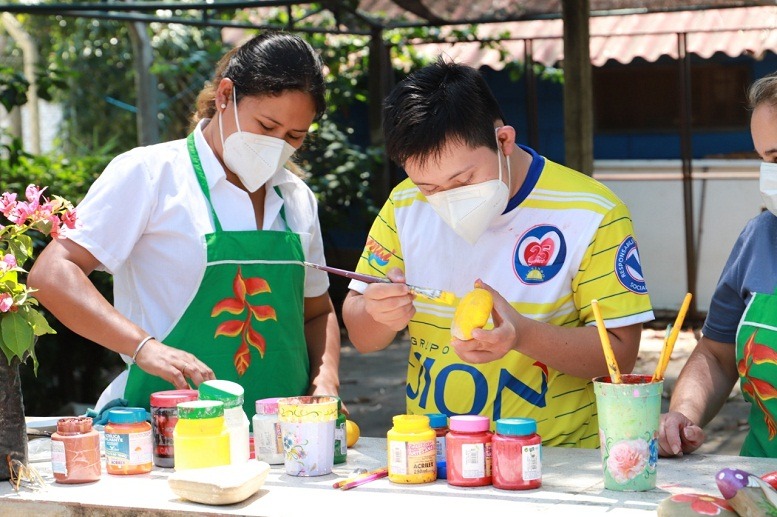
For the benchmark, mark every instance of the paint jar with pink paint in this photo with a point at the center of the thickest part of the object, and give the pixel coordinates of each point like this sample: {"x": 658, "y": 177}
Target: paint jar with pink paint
{"x": 628, "y": 431}
{"x": 308, "y": 433}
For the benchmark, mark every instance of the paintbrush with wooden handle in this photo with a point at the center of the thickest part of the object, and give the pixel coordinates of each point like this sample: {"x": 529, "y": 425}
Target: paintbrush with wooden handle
{"x": 433, "y": 294}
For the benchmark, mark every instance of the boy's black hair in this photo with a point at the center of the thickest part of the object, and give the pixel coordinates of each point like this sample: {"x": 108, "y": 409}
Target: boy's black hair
{"x": 440, "y": 103}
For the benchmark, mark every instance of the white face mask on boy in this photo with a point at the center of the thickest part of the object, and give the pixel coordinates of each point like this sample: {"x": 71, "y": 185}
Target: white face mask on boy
{"x": 254, "y": 158}
{"x": 469, "y": 210}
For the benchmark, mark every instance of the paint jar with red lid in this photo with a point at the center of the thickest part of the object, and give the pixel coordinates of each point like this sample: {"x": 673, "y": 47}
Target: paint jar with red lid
{"x": 517, "y": 450}
{"x": 164, "y": 415}
{"x": 75, "y": 451}
{"x": 468, "y": 450}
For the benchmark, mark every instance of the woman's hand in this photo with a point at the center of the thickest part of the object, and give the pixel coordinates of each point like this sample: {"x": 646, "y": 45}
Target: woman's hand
{"x": 678, "y": 435}
{"x": 330, "y": 392}
{"x": 391, "y": 304}
{"x": 173, "y": 365}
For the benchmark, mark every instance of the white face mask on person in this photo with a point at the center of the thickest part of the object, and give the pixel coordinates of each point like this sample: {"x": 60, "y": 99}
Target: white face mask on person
{"x": 469, "y": 210}
{"x": 768, "y": 185}
{"x": 254, "y": 158}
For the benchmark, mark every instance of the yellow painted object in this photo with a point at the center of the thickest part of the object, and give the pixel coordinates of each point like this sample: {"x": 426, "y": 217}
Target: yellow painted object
{"x": 471, "y": 313}
{"x": 352, "y": 433}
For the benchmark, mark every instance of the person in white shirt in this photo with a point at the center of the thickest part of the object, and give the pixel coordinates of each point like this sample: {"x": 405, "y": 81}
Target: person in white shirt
{"x": 206, "y": 239}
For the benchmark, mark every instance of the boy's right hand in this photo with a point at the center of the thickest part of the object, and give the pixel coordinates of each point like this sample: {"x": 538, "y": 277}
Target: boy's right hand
{"x": 390, "y": 304}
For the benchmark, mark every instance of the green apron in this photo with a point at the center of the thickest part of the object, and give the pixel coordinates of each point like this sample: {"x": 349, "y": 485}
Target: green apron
{"x": 246, "y": 320}
{"x": 757, "y": 366}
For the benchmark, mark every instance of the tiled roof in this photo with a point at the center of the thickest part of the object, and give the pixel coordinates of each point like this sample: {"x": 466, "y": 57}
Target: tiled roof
{"x": 737, "y": 31}
{"x": 458, "y": 10}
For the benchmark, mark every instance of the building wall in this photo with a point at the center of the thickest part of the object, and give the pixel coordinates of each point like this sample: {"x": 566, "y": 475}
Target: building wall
{"x": 626, "y": 145}
{"x": 725, "y": 197}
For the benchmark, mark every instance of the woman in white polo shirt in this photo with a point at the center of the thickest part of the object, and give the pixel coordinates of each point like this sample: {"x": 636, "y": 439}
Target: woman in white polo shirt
{"x": 205, "y": 238}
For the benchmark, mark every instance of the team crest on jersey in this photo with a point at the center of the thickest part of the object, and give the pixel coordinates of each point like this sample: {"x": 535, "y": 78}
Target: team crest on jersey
{"x": 628, "y": 266}
{"x": 539, "y": 254}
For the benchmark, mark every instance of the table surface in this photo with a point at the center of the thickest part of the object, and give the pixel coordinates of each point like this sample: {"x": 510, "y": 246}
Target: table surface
{"x": 571, "y": 485}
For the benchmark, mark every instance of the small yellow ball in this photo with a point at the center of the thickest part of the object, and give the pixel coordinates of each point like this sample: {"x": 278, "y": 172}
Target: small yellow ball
{"x": 352, "y": 433}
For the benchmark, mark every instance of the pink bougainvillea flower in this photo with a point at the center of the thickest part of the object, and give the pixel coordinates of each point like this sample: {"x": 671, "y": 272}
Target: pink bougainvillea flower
{"x": 10, "y": 259}
{"x": 39, "y": 214}
{"x": 33, "y": 193}
{"x": 6, "y": 302}
{"x": 703, "y": 504}
{"x": 627, "y": 459}
{"x": 55, "y": 226}
{"x": 19, "y": 213}
{"x": 7, "y": 203}
{"x": 69, "y": 218}
{"x": 7, "y": 263}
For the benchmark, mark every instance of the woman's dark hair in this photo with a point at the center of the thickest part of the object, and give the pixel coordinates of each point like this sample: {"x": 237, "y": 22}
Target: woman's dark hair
{"x": 438, "y": 104}
{"x": 268, "y": 64}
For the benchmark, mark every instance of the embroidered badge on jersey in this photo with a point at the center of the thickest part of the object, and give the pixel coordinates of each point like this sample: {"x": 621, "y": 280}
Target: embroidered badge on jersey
{"x": 539, "y": 254}
{"x": 628, "y": 267}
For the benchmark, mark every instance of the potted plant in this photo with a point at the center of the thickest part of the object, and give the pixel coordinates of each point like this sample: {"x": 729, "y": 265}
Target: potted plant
{"x": 20, "y": 321}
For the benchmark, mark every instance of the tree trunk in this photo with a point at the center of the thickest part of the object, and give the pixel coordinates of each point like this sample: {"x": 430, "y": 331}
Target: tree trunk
{"x": 13, "y": 430}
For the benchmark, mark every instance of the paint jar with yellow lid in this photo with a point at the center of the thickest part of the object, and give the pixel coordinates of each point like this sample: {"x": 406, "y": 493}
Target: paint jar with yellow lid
{"x": 411, "y": 450}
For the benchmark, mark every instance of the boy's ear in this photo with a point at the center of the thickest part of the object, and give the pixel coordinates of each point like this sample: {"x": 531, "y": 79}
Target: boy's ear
{"x": 505, "y": 135}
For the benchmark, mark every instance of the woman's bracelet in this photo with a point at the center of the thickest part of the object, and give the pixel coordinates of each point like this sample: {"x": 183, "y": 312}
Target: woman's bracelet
{"x": 140, "y": 347}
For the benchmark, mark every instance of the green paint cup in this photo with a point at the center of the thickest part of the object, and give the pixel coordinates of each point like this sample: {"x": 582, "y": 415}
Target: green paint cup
{"x": 628, "y": 431}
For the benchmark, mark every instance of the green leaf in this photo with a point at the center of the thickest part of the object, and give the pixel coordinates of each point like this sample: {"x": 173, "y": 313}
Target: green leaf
{"x": 21, "y": 247}
{"x": 8, "y": 354}
{"x": 37, "y": 321}
{"x": 34, "y": 361}
{"x": 17, "y": 334}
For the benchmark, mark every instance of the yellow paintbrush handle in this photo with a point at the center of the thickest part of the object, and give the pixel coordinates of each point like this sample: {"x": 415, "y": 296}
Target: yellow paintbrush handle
{"x": 609, "y": 355}
{"x": 669, "y": 345}
{"x": 657, "y": 372}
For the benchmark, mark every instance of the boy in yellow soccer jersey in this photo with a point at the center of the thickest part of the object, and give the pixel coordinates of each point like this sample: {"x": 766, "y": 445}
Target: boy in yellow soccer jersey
{"x": 545, "y": 239}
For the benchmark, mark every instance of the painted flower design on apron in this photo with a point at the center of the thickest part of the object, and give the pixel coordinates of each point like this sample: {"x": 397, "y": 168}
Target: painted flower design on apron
{"x": 240, "y": 306}
{"x": 758, "y": 389}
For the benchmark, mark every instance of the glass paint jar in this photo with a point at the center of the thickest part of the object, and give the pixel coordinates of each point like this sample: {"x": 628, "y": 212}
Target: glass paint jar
{"x": 231, "y": 395}
{"x": 468, "y": 451}
{"x": 517, "y": 450}
{"x": 268, "y": 439}
{"x": 341, "y": 448}
{"x": 411, "y": 449}
{"x": 128, "y": 442}
{"x": 439, "y": 422}
{"x": 200, "y": 435}
{"x": 164, "y": 415}
{"x": 75, "y": 451}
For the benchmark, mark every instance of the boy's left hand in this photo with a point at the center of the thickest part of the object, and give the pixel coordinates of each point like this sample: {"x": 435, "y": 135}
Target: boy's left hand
{"x": 490, "y": 345}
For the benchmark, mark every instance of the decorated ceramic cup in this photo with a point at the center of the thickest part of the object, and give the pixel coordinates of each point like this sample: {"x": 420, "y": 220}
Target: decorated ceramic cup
{"x": 628, "y": 431}
{"x": 308, "y": 431}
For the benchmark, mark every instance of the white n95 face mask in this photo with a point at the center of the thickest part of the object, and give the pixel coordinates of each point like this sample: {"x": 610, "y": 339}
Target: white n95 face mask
{"x": 254, "y": 158}
{"x": 469, "y": 210}
{"x": 768, "y": 185}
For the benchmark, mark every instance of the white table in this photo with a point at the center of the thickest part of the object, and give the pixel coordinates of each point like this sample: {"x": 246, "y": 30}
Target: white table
{"x": 571, "y": 485}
